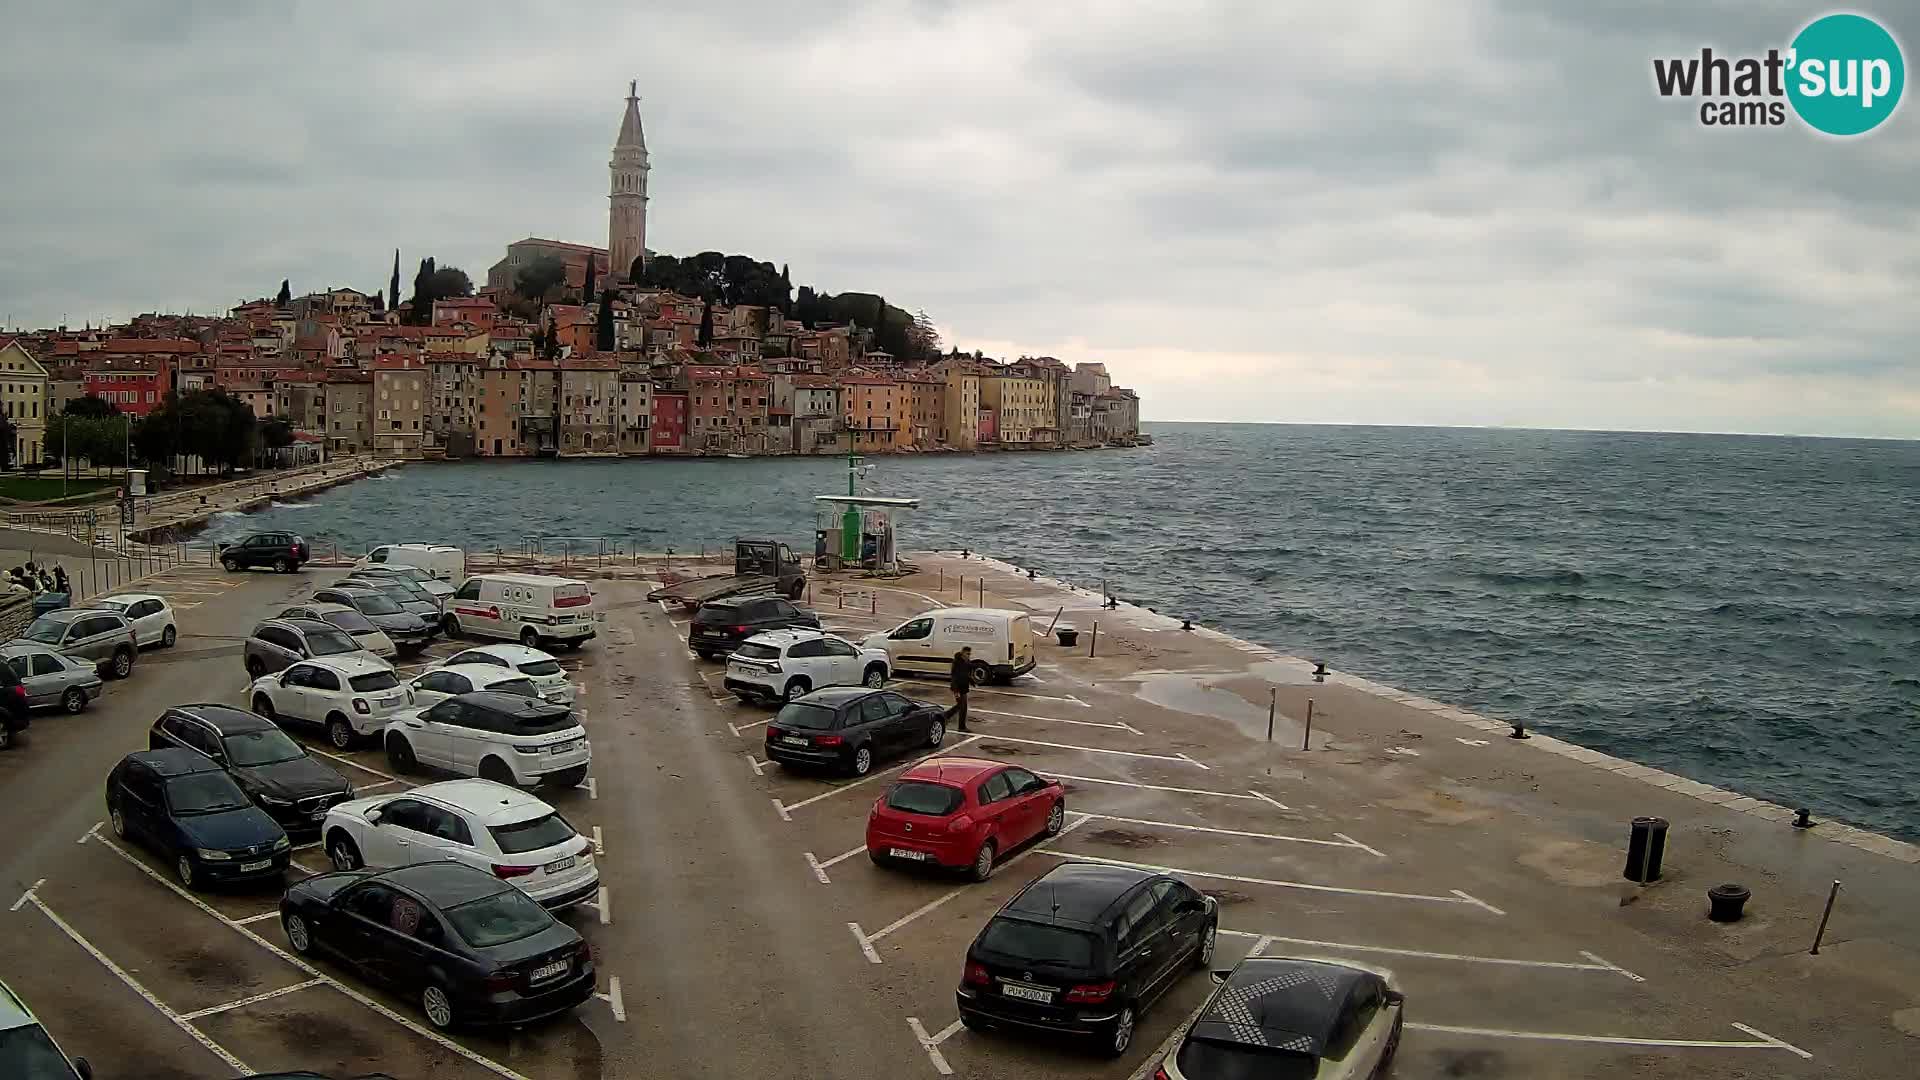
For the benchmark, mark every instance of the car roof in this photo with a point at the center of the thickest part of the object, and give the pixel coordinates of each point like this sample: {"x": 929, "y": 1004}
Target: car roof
{"x": 1279, "y": 1002}
{"x": 952, "y": 770}
{"x": 132, "y": 597}
{"x": 532, "y": 579}
{"x": 324, "y": 606}
{"x": 13, "y": 1011}
{"x": 513, "y": 654}
{"x": 26, "y": 648}
{"x": 1076, "y": 892}
{"x": 510, "y": 704}
{"x": 444, "y": 883}
{"x": 838, "y": 696}
{"x": 225, "y": 718}
{"x": 492, "y": 803}
{"x": 785, "y": 638}
{"x": 971, "y": 612}
{"x": 174, "y": 761}
{"x": 68, "y": 614}
{"x": 349, "y": 664}
{"x": 305, "y": 626}
{"x": 484, "y": 673}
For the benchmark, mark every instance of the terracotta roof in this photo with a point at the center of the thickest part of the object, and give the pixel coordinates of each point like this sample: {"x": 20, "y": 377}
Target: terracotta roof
{"x": 590, "y": 363}
{"x": 814, "y": 382}
{"x": 172, "y": 346}
{"x": 393, "y": 362}
{"x": 559, "y": 244}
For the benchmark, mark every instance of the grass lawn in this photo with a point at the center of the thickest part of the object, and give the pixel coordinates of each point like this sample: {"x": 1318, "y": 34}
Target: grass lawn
{"x": 39, "y": 488}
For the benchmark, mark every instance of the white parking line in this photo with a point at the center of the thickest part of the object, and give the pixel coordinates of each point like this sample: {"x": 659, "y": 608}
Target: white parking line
{"x": 1762, "y": 1040}
{"x": 603, "y": 904}
{"x": 599, "y": 844}
{"x": 1269, "y": 800}
{"x": 614, "y": 1000}
{"x": 1163, "y": 787}
{"x": 593, "y": 789}
{"x": 355, "y": 764}
{"x": 1341, "y": 843}
{"x": 784, "y": 809}
{"x": 27, "y": 896}
{"x": 756, "y": 764}
{"x": 1056, "y": 720}
{"x": 262, "y": 917}
{"x": 1361, "y": 846}
{"x": 245, "y": 1001}
{"x": 931, "y": 1043}
{"x": 738, "y": 728}
{"x": 820, "y": 868}
{"x": 1182, "y": 758}
{"x": 1458, "y": 897}
{"x": 1503, "y": 961}
{"x": 371, "y": 787}
{"x": 1068, "y": 699}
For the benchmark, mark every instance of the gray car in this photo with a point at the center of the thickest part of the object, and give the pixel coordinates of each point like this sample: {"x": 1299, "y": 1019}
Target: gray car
{"x": 51, "y": 680}
{"x": 105, "y": 638}
{"x": 433, "y": 586}
{"x": 279, "y": 643}
{"x": 408, "y": 595}
{"x": 408, "y": 630}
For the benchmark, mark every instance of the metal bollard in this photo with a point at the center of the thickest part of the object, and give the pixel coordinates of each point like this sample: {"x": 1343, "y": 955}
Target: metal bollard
{"x": 1273, "y": 707}
{"x": 1306, "y": 738}
{"x": 1824, "y": 916}
{"x": 1094, "y": 640}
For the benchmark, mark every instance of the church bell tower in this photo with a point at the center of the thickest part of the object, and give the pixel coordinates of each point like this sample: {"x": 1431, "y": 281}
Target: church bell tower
{"x": 627, "y": 197}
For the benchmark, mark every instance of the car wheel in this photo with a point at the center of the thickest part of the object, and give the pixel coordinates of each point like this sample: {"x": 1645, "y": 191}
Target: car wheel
{"x": 6, "y": 737}
{"x": 979, "y": 674}
{"x": 937, "y": 732}
{"x": 1056, "y": 818}
{"x": 982, "y": 867}
{"x": 183, "y": 869}
{"x": 1203, "y": 956}
{"x": 400, "y": 754}
{"x": 704, "y": 654}
{"x": 255, "y": 668}
{"x": 283, "y": 566}
{"x": 569, "y": 778}
{"x": 878, "y": 858}
{"x": 298, "y": 935}
{"x": 119, "y": 822}
{"x": 230, "y": 564}
{"x": 862, "y": 763}
{"x": 450, "y": 626}
{"x": 530, "y": 637}
{"x": 74, "y": 700}
{"x": 438, "y": 1007}
{"x": 797, "y": 687}
{"x": 876, "y": 676}
{"x": 343, "y": 853}
{"x": 168, "y": 637}
{"x": 339, "y": 732}
{"x": 497, "y": 771}
{"x": 972, "y": 1024}
{"x": 1120, "y": 1032}
{"x": 263, "y": 706}
{"x": 122, "y": 662}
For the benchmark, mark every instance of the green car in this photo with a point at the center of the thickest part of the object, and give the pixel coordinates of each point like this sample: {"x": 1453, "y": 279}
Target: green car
{"x": 27, "y": 1052}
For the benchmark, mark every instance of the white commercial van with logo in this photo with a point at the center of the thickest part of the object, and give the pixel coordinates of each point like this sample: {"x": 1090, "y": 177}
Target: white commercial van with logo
{"x": 1001, "y": 639}
{"x": 536, "y": 610}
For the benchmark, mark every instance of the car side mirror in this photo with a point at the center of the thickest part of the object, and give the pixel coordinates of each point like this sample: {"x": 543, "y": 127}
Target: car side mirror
{"x": 373, "y": 816}
{"x": 1396, "y": 998}
{"x": 1188, "y": 907}
{"x": 81, "y": 1067}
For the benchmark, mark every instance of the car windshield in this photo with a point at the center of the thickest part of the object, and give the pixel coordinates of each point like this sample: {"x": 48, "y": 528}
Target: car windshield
{"x": 120, "y": 606}
{"x": 532, "y": 834}
{"x": 1033, "y": 943}
{"x": 522, "y": 687}
{"x": 758, "y": 650}
{"x": 26, "y": 1053}
{"x": 1237, "y": 1061}
{"x": 710, "y": 614}
{"x": 806, "y": 717}
{"x": 330, "y": 643}
{"x": 374, "y": 680}
{"x": 204, "y": 793}
{"x": 396, "y": 589}
{"x": 918, "y": 797}
{"x": 540, "y": 668}
{"x": 351, "y": 621}
{"x": 497, "y": 919}
{"x": 264, "y": 747}
{"x": 373, "y": 603}
{"x": 46, "y": 631}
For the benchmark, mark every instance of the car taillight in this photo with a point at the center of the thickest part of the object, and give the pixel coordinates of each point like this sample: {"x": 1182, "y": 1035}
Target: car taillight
{"x": 828, "y": 740}
{"x": 959, "y": 823}
{"x": 499, "y": 981}
{"x": 360, "y": 706}
{"x": 1090, "y": 993}
{"x": 1160, "y": 1073}
{"x": 775, "y": 732}
{"x": 583, "y": 952}
{"x": 294, "y": 550}
{"x": 976, "y": 974}
{"x": 512, "y": 871}
{"x": 739, "y": 629}
{"x": 19, "y": 691}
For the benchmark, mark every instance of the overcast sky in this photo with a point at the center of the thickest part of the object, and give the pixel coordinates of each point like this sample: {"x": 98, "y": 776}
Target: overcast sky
{"x": 1372, "y": 211}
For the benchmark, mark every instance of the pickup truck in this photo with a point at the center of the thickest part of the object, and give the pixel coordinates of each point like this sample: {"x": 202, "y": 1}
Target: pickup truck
{"x": 760, "y": 567}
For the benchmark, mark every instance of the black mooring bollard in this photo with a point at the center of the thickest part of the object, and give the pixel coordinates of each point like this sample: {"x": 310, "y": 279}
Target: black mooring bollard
{"x": 1803, "y": 818}
{"x": 1519, "y": 730}
{"x": 1186, "y": 624}
{"x": 1031, "y": 575}
{"x": 1726, "y": 903}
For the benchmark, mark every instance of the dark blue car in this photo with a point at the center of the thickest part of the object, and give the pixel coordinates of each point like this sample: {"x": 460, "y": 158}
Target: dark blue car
{"x": 185, "y": 807}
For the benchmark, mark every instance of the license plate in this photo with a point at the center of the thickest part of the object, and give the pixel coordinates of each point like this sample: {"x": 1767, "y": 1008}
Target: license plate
{"x": 560, "y": 747}
{"x": 250, "y": 867}
{"x": 1026, "y": 993}
{"x": 390, "y": 700}
{"x": 794, "y": 740}
{"x": 903, "y": 853}
{"x": 548, "y": 971}
{"x": 558, "y": 865}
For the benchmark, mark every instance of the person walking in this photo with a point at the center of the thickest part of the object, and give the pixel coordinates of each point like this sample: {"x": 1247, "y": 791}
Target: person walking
{"x": 960, "y": 683}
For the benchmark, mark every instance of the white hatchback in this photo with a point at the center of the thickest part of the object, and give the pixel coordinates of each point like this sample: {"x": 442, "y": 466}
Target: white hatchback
{"x": 784, "y": 664}
{"x": 542, "y": 669}
{"x": 150, "y": 615}
{"x": 503, "y": 737}
{"x": 348, "y": 696}
{"x": 439, "y": 684}
{"x": 490, "y": 827}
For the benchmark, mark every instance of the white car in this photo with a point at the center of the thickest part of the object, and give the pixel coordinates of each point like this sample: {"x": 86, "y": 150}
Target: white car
{"x": 150, "y": 615}
{"x": 784, "y": 664}
{"x": 351, "y": 622}
{"x": 488, "y": 826}
{"x": 508, "y": 738}
{"x": 433, "y": 687}
{"x": 546, "y": 673}
{"x": 348, "y": 696}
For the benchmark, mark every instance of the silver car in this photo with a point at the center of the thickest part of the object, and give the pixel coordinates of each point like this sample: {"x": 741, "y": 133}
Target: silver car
{"x": 52, "y": 680}
{"x": 103, "y": 637}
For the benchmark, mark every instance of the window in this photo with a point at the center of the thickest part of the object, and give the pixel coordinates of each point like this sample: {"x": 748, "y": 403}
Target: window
{"x": 1137, "y": 920}
{"x": 445, "y": 825}
{"x": 995, "y": 788}
{"x": 1023, "y": 782}
{"x": 836, "y": 647}
{"x": 372, "y": 901}
{"x": 532, "y": 834}
{"x": 43, "y": 664}
{"x": 913, "y": 631}
{"x": 508, "y": 915}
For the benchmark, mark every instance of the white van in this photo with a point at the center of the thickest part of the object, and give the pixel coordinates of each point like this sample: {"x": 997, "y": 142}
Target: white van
{"x": 444, "y": 562}
{"x": 535, "y": 610}
{"x": 1002, "y": 641}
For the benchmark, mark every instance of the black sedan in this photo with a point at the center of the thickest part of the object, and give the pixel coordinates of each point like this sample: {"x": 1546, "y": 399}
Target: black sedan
{"x": 183, "y": 806}
{"x": 274, "y": 771}
{"x": 851, "y": 727}
{"x": 469, "y": 947}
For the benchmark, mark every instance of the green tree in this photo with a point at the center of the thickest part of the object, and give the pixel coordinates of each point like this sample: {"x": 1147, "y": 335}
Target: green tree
{"x": 276, "y": 434}
{"x": 393, "y": 285}
{"x": 603, "y": 330}
{"x": 6, "y": 442}
{"x": 92, "y": 405}
{"x": 586, "y": 292}
{"x": 449, "y": 282}
{"x": 706, "y": 324}
{"x": 534, "y": 280}
{"x": 157, "y": 438}
{"x": 285, "y": 299}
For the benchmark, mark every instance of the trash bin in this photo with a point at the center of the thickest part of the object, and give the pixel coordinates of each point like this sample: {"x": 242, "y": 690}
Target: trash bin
{"x": 1645, "y": 848}
{"x": 48, "y": 601}
{"x": 1066, "y": 634}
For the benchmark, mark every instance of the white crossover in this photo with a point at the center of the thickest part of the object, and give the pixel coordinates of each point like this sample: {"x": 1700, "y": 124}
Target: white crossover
{"x": 785, "y": 664}
{"x": 350, "y": 697}
{"x": 542, "y": 669}
{"x": 441, "y": 683}
{"x": 510, "y": 738}
{"x": 491, "y": 827}
{"x": 150, "y": 615}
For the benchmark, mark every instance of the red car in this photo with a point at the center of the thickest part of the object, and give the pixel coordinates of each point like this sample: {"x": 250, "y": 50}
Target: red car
{"x": 962, "y": 812}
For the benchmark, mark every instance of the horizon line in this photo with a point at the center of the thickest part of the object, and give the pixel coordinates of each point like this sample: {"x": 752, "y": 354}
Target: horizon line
{"x": 1528, "y": 427}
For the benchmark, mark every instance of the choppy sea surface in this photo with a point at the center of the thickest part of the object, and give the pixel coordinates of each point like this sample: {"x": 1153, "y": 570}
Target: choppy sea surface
{"x": 1741, "y": 610}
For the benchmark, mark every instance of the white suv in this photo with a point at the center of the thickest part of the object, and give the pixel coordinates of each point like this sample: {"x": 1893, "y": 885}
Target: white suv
{"x": 349, "y": 696}
{"x": 502, "y": 737}
{"x": 500, "y": 830}
{"x": 784, "y": 664}
{"x": 437, "y": 685}
{"x": 546, "y": 673}
{"x": 152, "y": 619}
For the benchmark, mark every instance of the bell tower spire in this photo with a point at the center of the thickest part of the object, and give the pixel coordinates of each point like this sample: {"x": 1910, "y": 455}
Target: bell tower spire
{"x": 627, "y": 193}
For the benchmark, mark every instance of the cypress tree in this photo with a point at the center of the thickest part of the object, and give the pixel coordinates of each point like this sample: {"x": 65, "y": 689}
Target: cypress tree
{"x": 586, "y": 293}
{"x": 706, "y": 323}
{"x": 603, "y": 332}
{"x": 286, "y": 294}
{"x": 393, "y": 286}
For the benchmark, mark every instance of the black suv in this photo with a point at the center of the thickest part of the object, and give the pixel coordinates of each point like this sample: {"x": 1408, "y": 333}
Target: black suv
{"x": 1083, "y": 950}
{"x": 285, "y": 552}
{"x": 275, "y": 772}
{"x": 189, "y": 810}
{"x": 13, "y": 706}
{"x": 721, "y": 625}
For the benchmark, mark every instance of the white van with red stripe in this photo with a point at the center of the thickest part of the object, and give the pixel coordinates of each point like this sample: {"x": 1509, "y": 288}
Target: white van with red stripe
{"x": 536, "y": 610}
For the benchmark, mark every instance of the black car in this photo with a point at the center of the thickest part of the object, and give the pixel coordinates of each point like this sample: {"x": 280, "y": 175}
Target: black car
{"x": 408, "y": 630}
{"x": 1083, "y": 950}
{"x": 1281, "y": 1016}
{"x": 469, "y": 947}
{"x": 276, "y": 773}
{"x": 188, "y": 809}
{"x": 719, "y": 626}
{"x": 851, "y": 727}
{"x": 14, "y": 714}
{"x": 285, "y": 552}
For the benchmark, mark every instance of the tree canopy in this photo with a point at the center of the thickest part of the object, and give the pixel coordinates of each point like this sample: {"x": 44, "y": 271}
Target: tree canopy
{"x": 211, "y": 424}
{"x": 535, "y": 279}
{"x": 92, "y": 405}
{"x": 432, "y": 283}
{"x": 718, "y": 278}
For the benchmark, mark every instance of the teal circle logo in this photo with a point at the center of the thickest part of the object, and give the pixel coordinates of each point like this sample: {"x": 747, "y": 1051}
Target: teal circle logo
{"x": 1846, "y": 74}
